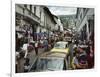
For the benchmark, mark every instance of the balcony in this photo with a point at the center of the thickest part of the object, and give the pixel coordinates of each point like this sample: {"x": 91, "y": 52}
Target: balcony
{"x": 31, "y": 15}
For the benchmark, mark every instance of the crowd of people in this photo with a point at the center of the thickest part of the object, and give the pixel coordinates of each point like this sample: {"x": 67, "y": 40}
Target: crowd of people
{"x": 83, "y": 56}
{"x": 83, "y": 51}
{"x": 25, "y": 45}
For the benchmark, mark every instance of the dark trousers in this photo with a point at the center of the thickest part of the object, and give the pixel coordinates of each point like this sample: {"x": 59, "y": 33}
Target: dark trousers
{"x": 36, "y": 50}
{"x": 16, "y": 69}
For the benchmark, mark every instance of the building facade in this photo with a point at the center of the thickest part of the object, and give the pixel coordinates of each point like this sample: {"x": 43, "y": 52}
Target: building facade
{"x": 85, "y": 23}
{"x": 68, "y": 21}
{"x": 35, "y": 20}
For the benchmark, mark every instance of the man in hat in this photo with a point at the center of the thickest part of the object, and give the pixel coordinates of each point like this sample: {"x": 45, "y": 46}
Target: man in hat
{"x": 82, "y": 57}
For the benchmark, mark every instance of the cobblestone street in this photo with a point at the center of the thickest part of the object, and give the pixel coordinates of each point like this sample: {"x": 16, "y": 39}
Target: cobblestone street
{"x": 50, "y": 38}
{"x": 32, "y": 56}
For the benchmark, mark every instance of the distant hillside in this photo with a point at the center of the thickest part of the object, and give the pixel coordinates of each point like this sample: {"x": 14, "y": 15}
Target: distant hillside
{"x": 67, "y": 20}
{"x": 67, "y": 16}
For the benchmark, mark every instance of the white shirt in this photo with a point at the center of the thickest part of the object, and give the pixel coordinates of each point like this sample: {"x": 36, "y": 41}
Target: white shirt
{"x": 36, "y": 44}
{"x": 25, "y": 49}
{"x": 25, "y": 46}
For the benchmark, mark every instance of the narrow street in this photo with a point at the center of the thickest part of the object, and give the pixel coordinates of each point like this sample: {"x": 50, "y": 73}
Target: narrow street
{"x": 32, "y": 56}
{"x": 52, "y": 38}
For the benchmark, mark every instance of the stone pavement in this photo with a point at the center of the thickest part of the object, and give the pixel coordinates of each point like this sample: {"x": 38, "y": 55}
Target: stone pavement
{"x": 32, "y": 56}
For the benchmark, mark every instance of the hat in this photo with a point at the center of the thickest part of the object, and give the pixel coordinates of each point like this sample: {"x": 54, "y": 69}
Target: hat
{"x": 82, "y": 59}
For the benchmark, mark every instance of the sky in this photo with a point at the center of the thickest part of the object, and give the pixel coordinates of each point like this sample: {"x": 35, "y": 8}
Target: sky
{"x": 58, "y": 10}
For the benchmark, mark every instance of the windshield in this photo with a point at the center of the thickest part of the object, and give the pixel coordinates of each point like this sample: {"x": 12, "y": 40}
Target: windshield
{"x": 60, "y": 45}
{"x": 50, "y": 64}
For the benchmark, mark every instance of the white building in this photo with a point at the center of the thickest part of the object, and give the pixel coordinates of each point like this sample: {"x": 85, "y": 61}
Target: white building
{"x": 59, "y": 25}
{"x": 49, "y": 20}
{"x": 85, "y": 22}
{"x": 39, "y": 18}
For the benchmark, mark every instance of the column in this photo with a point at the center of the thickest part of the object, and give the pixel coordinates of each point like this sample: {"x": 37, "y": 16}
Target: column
{"x": 87, "y": 24}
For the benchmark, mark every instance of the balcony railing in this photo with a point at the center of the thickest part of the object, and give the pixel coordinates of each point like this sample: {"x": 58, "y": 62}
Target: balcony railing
{"x": 29, "y": 13}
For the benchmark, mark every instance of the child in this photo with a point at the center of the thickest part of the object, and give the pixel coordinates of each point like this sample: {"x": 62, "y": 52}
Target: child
{"x": 83, "y": 61}
{"x": 26, "y": 65}
{"x": 75, "y": 62}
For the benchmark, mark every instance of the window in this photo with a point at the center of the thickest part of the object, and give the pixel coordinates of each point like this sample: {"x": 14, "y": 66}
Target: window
{"x": 34, "y": 9}
{"x": 40, "y": 15}
{"x": 23, "y": 10}
{"x": 50, "y": 64}
{"x": 31, "y": 8}
{"x": 25, "y": 6}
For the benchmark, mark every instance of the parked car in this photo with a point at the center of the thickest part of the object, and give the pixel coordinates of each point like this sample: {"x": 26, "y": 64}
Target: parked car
{"x": 50, "y": 61}
{"x": 61, "y": 47}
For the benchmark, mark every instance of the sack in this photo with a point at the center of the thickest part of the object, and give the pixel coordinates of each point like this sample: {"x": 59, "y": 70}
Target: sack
{"x": 82, "y": 59}
{"x": 36, "y": 44}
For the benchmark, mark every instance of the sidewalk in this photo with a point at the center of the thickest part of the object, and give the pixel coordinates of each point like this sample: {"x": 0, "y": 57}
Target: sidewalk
{"x": 32, "y": 56}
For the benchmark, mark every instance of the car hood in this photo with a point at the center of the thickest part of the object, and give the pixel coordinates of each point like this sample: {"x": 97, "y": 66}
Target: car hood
{"x": 60, "y": 50}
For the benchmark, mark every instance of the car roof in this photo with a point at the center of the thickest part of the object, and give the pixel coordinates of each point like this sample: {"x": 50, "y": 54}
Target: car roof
{"x": 53, "y": 55}
{"x": 63, "y": 42}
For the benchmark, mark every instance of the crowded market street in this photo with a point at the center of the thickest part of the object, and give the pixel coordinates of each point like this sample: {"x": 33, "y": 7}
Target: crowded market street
{"x": 50, "y": 41}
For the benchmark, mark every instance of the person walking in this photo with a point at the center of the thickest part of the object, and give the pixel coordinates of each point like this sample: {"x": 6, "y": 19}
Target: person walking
{"x": 45, "y": 44}
{"x": 71, "y": 51}
{"x": 26, "y": 65}
{"x": 36, "y": 47}
{"x": 90, "y": 57}
{"x": 79, "y": 61}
